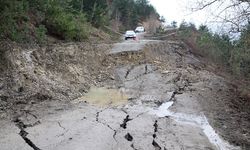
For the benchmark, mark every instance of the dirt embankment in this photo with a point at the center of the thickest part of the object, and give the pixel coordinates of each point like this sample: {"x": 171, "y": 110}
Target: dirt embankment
{"x": 54, "y": 72}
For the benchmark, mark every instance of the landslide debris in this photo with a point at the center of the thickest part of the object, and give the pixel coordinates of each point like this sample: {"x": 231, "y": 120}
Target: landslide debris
{"x": 67, "y": 71}
{"x": 62, "y": 72}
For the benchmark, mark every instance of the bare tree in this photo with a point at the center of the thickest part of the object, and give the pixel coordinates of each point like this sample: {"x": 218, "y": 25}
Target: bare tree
{"x": 236, "y": 13}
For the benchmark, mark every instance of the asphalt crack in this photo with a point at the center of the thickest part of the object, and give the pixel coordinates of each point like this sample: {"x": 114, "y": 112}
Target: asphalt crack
{"x": 155, "y": 128}
{"x": 115, "y": 131}
{"x": 98, "y": 113}
{"x": 180, "y": 88}
{"x": 172, "y": 98}
{"x": 128, "y": 71}
{"x": 132, "y": 146}
{"x": 24, "y": 134}
{"x": 154, "y": 143}
{"x": 125, "y": 121}
{"x": 114, "y": 135}
{"x": 20, "y": 123}
{"x": 123, "y": 110}
{"x": 65, "y": 131}
{"x": 97, "y": 116}
{"x": 105, "y": 124}
{"x": 142, "y": 74}
{"x": 61, "y": 126}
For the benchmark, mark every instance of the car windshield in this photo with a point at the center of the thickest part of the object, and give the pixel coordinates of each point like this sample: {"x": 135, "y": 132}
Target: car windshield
{"x": 130, "y": 32}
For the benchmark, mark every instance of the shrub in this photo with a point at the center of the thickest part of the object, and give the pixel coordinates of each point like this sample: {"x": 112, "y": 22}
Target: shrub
{"x": 240, "y": 61}
{"x": 219, "y": 48}
{"x": 65, "y": 24}
{"x": 186, "y": 29}
{"x": 216, "y": 47}
{"x": 13, "y": 25}
{"x": 40, "y": 33}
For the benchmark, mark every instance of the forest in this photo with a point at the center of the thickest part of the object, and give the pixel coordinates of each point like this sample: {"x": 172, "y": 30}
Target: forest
{"x": 32, "y": 20}
{"x": 232, "y": 55}
{"x": 230, "y": 52}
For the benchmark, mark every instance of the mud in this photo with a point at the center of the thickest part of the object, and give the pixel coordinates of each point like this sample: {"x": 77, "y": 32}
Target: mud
{"x": 158, "y": 96}
{"x": 105, "y": 97}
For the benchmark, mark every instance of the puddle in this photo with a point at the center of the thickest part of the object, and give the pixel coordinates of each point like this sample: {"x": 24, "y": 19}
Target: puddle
{"x": 103, "y": 97}
{"x": 200, "y": 121}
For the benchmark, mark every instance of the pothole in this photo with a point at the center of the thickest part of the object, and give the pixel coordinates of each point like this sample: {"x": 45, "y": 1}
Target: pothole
{"x": 103, "y": 97}
{"x": 128, "y": 137}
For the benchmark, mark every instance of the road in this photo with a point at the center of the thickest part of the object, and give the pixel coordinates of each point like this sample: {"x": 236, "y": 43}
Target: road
{"x": 154, "y": 106}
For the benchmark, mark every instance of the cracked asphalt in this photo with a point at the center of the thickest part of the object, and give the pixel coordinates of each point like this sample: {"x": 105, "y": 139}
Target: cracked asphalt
{"x": 143, "y": 122}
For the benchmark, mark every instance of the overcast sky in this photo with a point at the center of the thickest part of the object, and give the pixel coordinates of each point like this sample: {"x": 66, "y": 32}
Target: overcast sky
{"x": 179, "y": 10}
{"x": 174, "y": 10}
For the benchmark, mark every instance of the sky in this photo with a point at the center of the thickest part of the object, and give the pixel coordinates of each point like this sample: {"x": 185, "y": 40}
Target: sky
{"x": 178, "y": 10}
{"x": 213, "y": 16}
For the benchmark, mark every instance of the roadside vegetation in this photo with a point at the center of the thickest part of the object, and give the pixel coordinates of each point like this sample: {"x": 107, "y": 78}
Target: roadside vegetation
{"x": 32, "y": 20}
{"x": 232, "y": 54}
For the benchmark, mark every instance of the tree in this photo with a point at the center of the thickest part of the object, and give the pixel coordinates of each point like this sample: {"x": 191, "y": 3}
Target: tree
{"x": 174, "y": 24}
{"x": 96, "y": 10}
{"x": 162, "y": 19}
{"x": 130, "y": 12}
{"x": 31, "y": 20}
{"x": 203, "y": 29}
{"x": 236, "y": 13}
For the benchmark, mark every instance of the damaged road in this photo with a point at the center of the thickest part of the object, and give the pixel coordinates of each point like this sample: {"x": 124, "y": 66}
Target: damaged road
{"x": 156, "y": 103}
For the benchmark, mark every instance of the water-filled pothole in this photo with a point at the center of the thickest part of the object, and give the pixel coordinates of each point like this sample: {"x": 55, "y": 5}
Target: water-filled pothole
{"x": 103, "y": 96}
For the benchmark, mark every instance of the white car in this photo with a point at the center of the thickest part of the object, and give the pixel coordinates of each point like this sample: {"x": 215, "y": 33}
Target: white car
{"x": 140, "y": 29}
{"x": 130, "y": 34}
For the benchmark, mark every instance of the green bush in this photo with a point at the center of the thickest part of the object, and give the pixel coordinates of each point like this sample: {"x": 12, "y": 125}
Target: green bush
{"x": 65, "y": 24}
{"x": 27, "y": 20}
{"x": 216, "y": 47}
{"x": 186, "y": 30}
{"x": 240, "y": 61}
{"x": 220, "y": 49}
{"x": 14, "y": 20}
{"x": 40, "y": 33}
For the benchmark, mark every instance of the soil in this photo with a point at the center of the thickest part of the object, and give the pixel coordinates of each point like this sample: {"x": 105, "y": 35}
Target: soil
{"x": 143, "y": 94}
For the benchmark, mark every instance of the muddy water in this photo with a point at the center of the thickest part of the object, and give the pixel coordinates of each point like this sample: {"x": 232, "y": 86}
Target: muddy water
{"x": 102, "y": 97}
